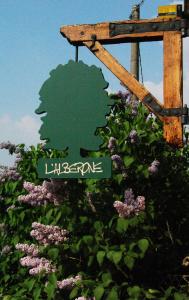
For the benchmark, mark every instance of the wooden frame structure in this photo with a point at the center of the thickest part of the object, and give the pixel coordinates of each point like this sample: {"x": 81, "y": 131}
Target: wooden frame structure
{"x": 170, "y": 31}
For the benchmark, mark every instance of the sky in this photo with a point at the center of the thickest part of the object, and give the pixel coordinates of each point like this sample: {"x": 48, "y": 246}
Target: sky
{"x": 31, "y": 46}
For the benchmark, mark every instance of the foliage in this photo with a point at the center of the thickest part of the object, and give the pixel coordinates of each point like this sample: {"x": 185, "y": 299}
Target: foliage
{"x": 139, "y": 257}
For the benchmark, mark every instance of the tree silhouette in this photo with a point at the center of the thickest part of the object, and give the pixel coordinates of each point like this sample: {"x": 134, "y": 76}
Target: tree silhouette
{"x": 76, "y": 103}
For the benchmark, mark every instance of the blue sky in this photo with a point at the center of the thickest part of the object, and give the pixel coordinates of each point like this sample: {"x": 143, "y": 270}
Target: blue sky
{"x": 31, "y": 46}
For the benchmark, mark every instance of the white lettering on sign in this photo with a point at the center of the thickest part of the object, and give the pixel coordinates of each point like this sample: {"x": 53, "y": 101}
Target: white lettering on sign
{"x": 76, "y": 168}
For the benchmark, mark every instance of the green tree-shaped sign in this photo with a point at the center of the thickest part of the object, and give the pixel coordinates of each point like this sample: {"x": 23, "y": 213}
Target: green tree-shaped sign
{"x": 76, "y": 103}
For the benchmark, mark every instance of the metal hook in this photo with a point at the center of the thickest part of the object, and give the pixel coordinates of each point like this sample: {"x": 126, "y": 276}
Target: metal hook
{"x": 76, "y": 53}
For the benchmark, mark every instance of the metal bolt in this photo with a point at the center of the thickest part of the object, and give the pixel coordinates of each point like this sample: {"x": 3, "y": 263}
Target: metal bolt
{"x": 131, "y": 28}
{"x": 172, "y": 26}
{"x": 112, "y": 26}
{"x": 154, "y": 27}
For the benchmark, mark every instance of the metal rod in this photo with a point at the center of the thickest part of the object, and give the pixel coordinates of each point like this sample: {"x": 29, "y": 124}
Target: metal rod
{"x": 76, "y": 53}
{"x": 134, "y": 68}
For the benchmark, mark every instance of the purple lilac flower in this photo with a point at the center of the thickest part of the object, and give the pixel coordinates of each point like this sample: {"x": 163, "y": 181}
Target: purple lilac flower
{"x": 57, "y": 186}
{"x": 129, "y": 196}
{"x": 68, "y": 283}
{"x": 131, "y": 206}
{"x": 48, "y": 234}
{"x": 123, "y": 95}
{"x": 39, "y": 195}
{"x": 30, "y": 250}
{"x": 9, "y": 174}
{"x": 30, "y": 261}
{"x": 37, "y": 265}
{"x": 153, "y": 169}
{"x": 18, "y": 158}
{"x": 5, "y": 250}
{"x": 133, "y": 136}
{"x": 119, "y": 164}
{"x": 8, "y": 146}
{"x": 134, "y": 105}
{"x": 140, "y": 204}
{"x": 117, "y": 160}
{"x": 112, "y": 144}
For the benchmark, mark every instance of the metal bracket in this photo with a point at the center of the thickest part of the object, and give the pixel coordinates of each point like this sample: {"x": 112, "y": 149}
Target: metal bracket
{"x": 182, "y": 112}
{"x": 131, "y": 28}
{"x": 93, "y": 38}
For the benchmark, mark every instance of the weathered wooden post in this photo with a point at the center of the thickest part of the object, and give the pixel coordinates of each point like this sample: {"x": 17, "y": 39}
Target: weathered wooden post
{"x": 186, "y": 8}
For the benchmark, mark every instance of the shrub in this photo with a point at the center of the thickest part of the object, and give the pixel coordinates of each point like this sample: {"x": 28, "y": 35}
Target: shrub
{"x": 119, "y": 238}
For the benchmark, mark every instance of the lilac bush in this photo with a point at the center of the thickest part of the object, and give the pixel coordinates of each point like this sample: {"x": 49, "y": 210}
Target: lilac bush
{"x": 118, "y": 234}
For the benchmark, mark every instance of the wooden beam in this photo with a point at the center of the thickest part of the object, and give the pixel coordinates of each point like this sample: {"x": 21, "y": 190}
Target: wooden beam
{"x": 77, "y": 34}
{"x": 121, "y": 73}
{"x": 173, "y": 86}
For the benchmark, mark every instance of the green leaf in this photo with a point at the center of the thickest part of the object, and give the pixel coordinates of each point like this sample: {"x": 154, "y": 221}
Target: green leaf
{"x": 13, "y": 186}
{"x": 117, "y": 255}
{"x": 52, "y": 279}
{"x": 178, "y": 296}
{"x": 53, "y": 253}
{"x": 119, "y": 178}
{"x": 143, "y": 244}
{"x": 113, "y": 295}
{"x": 58, "y": 216}
{"x": 134, "y": 291}
{"x": 6, "y": 277}
{"x": 74, "y": 293}
{"x": 107, "y": 279}
{"x": 129, "y": 261}
{"x": 50, "y": 291}
{"x": 122, "y": 225}
{"x": 100, "y": 257}
{"x": 22, "y": 215}
{"x": 99, "y": 292}
{"x": 37, "y": 293}
{"x": 106, "y": 276}
{"x": 110, "y": 255}
{"x": 83, "y": 219}
{"x": 90, "y": 260}
{"x": 98, "y": 226}
{"x": 128, "y": 160}
{"x": 88, "y": 239}
{"x": 30, "y": 284}
{"x": 48, "y": 215}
